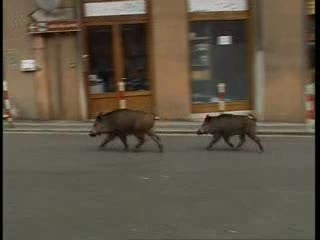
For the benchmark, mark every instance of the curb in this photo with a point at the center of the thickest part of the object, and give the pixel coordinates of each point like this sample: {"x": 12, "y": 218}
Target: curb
{"x": 159, "y": 131}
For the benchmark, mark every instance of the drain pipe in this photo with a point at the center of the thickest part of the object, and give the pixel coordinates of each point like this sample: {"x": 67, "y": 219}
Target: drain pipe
{"x": 83, "y": 101}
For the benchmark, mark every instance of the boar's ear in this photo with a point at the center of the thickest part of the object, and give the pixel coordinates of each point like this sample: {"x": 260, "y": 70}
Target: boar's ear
{"x": 99, "y": 117}
{"x": 207, "y": 117}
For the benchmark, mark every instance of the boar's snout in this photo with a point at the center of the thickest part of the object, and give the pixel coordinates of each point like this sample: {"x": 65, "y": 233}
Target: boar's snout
{"x": 199, "y": 132}
{"x": 92, "y": 134}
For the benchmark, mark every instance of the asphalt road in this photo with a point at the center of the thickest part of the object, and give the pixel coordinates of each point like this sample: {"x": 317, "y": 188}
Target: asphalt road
{"x": 62, "y": 187}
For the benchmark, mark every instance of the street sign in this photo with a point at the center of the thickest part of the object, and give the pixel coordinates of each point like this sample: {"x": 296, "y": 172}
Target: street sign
{"x": 56, "y": 26}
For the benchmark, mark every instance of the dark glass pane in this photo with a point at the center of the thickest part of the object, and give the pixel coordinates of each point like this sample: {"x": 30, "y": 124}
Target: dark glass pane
{"x": 101, "y": 75}
{"x": 135, "y": 56}
{"x": 214, "y": 61}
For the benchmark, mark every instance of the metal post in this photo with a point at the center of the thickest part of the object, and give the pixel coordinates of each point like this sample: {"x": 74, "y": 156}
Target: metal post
{"x": 309, "y": 105}
{"x": 8, "y": 114}
{"x": 221, "y": 93}
{"x": 122, "y": 100}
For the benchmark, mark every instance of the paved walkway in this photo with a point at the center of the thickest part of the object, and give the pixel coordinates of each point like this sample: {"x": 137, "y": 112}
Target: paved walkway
{"x": 167, "y": 127}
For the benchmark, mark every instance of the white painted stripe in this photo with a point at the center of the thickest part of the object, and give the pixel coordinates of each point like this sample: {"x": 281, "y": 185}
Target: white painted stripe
{"x": 122, "y": 103}
{"x": 121, "y": 86}
{"x": 309, "y": 106}
{"x": 221, "y": 106}
{"x": 5, "y": 86}
{"x": 7, "y": 104}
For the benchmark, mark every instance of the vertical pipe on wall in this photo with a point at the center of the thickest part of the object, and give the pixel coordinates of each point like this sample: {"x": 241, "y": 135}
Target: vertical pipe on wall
{"x": 41, "y": 82}
{"x": 259, "y": 73}
{"x": 81, "y": 68}
{"x": 57, "y": 40}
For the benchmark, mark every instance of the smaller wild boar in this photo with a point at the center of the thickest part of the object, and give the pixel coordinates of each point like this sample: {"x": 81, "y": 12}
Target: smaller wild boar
{"x": 124, "y": 122}
{"x": 227, "y": 125}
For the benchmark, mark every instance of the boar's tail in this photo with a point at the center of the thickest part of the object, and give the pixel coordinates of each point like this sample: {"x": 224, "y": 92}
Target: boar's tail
{"x": 250, "y": 116}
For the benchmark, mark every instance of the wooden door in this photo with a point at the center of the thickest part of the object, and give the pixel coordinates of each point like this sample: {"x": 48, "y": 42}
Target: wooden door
{"x": 118, "y": 52}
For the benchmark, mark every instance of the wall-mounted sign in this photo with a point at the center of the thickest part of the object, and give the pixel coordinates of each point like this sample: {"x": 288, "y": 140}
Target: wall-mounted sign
{"x": 224, "y": 40}
{"x": 217, "y": 5}
{"x": 61, "y": 14}
{"x": 132, "y": 7}
{"x": 28, "y": 65}
{"x": 57, "y": 26}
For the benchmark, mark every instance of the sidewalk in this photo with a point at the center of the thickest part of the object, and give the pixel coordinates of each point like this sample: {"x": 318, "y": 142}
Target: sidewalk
{"x": 164, "y": 127}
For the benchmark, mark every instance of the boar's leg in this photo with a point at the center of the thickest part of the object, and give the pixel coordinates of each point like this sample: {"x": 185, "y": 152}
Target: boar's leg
{"x": 227, "y": 140}
{"x": 141, "y": 139}
{"x": 156, "y": 139}
{"x": 242, "y": 141}
{"x": 110, "y": 137}
{"x": 215, "y": 139}
{"x": 256, "y": 140}
{"x": 123, "y": 139}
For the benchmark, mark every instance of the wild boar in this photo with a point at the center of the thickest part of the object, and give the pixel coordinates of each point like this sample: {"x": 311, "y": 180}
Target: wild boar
{"x": 124, "y": 122}
{"x": 227, "y": 125}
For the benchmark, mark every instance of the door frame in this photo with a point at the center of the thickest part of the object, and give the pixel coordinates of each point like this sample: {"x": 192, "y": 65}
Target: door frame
{"x": 117, "y": 49}
{"x": 239, "y": 15}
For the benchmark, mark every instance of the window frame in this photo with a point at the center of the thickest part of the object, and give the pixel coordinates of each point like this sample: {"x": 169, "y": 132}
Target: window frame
{"x": 226, "y": 15}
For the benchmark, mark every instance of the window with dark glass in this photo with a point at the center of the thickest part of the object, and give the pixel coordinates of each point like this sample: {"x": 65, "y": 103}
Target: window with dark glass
{"x": 101, "y": 69}
{"x": 135, "y": 56}
{"x": 218, "y": 55}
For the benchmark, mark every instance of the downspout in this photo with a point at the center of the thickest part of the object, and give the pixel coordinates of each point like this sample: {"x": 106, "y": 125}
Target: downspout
{"x": 259, "y": 65}
{"x": 81, "y": 67}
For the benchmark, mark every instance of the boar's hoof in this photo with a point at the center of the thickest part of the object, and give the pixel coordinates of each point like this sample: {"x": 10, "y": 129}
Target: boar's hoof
{"x": 101, "y": 147}
{"x": 160, "y": 148}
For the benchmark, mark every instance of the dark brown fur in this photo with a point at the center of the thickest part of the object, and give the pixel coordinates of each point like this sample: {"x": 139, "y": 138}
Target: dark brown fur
{"x": 124, "y": 122}
{"x": 227, "y": 125}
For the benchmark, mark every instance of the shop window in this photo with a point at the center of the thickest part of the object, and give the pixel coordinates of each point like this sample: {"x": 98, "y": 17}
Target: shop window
{"x": 218, "y": 55}
{"x": 135, "y": 56}
{"x": 101, "y": 75}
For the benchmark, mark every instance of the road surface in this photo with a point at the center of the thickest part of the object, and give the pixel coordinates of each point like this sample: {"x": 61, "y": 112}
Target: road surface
{"x": 62, "y": 187}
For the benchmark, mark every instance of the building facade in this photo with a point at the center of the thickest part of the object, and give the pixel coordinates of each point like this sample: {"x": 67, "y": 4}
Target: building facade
{"x": 171, "y": 55}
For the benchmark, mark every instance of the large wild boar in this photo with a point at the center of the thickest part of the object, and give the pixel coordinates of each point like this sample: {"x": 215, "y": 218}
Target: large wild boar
{"x": 227, "y": 125}
{"x": 124, "y": 122}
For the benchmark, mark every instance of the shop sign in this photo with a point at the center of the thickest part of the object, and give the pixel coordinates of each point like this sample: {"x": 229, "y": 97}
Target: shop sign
{"x": 217, "y": 5}
{"x": 56, "y": 26}
{"x": 95, "y": 9}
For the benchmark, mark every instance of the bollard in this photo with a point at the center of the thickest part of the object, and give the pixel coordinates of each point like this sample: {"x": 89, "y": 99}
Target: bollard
{"x": 7, "y": 106}
{"x": 221, "y": 93}
{"x": 309, "y": 105}
{"x": 310, "y": 114}
{"x": 122, "y": 100}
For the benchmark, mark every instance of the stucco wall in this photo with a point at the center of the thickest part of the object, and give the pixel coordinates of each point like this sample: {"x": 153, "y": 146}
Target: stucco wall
{"x": 18, "y": 46}
{"x": 284, "y": 58}
{"x": 171, "y": 87}
{"x": 64, "y": 97}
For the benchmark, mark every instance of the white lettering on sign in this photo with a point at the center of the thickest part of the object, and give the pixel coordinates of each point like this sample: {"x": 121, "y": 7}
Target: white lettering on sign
{"x": 224, "y": 40}
{"x": 114, "y": 8}
{"x": 217, "y": 5}
{"x": 28, "y": 65}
